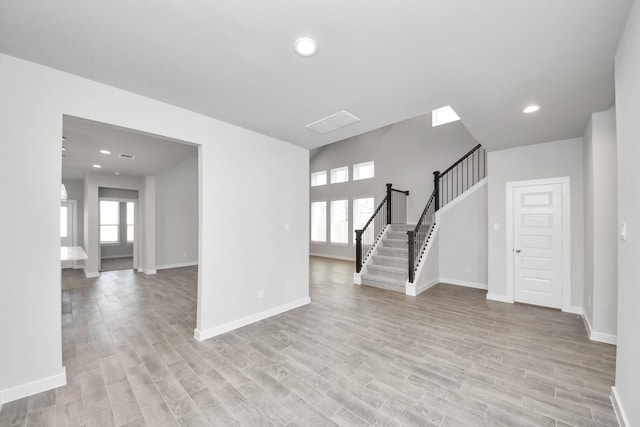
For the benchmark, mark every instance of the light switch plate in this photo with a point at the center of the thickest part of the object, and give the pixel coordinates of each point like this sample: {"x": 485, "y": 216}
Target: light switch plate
{"x": 623, "y": 231}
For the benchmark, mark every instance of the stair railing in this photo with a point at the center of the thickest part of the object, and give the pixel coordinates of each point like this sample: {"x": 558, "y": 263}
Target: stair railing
{"x": 418, "y": 237}
{"x": 460, "y": 176}
{"x": 392, "y": 210}
{"x": 455, "y": 180}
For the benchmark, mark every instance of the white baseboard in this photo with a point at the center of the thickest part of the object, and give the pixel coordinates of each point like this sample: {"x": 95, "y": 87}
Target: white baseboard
{"x": 204, "y": 334}
{"x": 34, "y": 387}
{"x": 412, "y": 290}
{"x": 344, "y": 258}
{"x": 177, "y": 265}
{"x": 623, "y": 420}
{"x": 573, "y": 310}
{"x": 499, "y": 298}
{"x": 148, "y": 271}
{"x": 598, "y": 336}
{"x": 464, "y": 283}
{"x": 116, "y": 256}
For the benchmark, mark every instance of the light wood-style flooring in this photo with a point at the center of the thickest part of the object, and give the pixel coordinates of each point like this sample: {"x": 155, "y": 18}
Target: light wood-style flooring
{"x": 354, "y": 356}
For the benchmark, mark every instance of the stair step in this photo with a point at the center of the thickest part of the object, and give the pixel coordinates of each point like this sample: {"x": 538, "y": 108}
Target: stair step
{"x": 384, "y": 283}
{"x": 397, "y": 235}
{"x": 402, "y": 227}
{"x": 389, "y": 272}
{"x": 394, "y": 243}
{"x": 389, "y": 261}
{"x": 393, "y": 252}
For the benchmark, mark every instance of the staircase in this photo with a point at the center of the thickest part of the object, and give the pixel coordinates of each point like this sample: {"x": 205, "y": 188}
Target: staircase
{"x": 388, "y": 266}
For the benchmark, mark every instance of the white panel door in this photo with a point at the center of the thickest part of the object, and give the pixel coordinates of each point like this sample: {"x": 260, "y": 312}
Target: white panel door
{"x": 537, "y": 244}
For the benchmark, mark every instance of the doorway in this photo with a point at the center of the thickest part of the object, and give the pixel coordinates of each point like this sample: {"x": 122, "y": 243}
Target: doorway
{"x": 538, "y": 242}
{"x": 118, "y": 245}
{"x": 68, "y": 223}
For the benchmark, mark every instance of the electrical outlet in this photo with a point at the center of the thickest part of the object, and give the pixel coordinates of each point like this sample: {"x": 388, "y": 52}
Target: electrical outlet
{"x": 287, "y": 226}
{"x": 261, "y": 293}
{"x": 184, "y": 254}
{"x": 468, "y": 270}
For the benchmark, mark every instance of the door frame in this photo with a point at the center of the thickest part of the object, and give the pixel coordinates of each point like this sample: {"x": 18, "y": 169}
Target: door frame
{"x": 565, "y": 184}
{"x": 74, "y": 228}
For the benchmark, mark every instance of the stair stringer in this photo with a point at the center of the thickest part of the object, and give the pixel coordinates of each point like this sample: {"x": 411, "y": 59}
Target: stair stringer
{"x": 357, "y": 277}
{"x": 427, "y": 274}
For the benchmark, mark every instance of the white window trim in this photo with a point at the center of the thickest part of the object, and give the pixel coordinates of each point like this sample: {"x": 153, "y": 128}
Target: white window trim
{"x": 317, "y": 173}
{"x": 353, "y": 178}
{"x": 353, "y": 223}
{"x": 331, "y": 175}
{"x": 326, "y": 221}
{"x": 349, "y": 224}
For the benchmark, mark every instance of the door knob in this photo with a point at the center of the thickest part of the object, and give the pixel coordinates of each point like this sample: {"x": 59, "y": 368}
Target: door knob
{"x": 517, "y": 251}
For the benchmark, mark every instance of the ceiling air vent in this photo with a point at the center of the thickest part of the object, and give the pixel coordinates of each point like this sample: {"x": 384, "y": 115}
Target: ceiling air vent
{"x": 127, "y": 156}
{"x": 333, "y": 122}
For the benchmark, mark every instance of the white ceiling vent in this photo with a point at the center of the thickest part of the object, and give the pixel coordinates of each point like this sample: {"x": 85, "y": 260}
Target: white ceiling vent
{"x": 333, "y": 122}
{"x": 127, "y": 156}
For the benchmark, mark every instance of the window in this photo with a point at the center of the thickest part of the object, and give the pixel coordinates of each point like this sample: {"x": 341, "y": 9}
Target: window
{"x": 130, "y": 221}
{"x": 443, "y": 115}
{"x": 362, "y": 211}
{"x": 340, "y": 175}
{"x": 319, "y": 221}
{"x": 109, "y": 221}
{"x": 340, "y": 221}
{"x": 318, "y": 178}
{"x": 363, "y": 171}
{"x": 63, "y": 221}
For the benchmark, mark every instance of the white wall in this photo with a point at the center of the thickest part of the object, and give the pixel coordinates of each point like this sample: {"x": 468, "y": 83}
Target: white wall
{"x": 463, "y": 240}
{"x": 600, "y": 226}
{"x": 405, "y": 154}
{"x": 241, "y": 251}
{"x": 627, "y": 62}
{"x": 548, "y": 160}
{"x": 177, "y": 215}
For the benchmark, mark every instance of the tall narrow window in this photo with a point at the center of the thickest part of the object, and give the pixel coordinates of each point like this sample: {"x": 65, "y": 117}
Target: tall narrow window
{"x": 340, "y": 221}
{"x": 318, "y": 178}
{"x": 130, "y": 221}
{"x": 362, "y": 211}
{"x": 363, "y": 170}
{"x": 340, "y": 175}
{"x": 319, "y": 222}
{"x": 109, "y": 221}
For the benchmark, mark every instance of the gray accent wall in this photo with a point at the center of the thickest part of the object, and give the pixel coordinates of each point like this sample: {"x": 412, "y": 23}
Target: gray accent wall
{"x": 547, "y": 160}
{"x": 627, "y": 70}
{"x": 177, "y": 215}
{"x": 405, "y": 154}
{"x": 600, "y": 224}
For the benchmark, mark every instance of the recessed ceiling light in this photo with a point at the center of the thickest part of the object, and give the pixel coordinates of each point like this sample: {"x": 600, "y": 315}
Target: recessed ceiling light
{"x": 531, "y": 109}
{"x": 97, "y": 166}
{"x": 64, "y": 138}
{"x": 105, "y": 151}
{"x": 305, "y": 46}
{"x": 116, "y": 173}
{"x": 64, "y": 148}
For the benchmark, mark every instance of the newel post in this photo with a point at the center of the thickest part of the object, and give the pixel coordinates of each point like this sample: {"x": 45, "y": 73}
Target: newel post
{"x": 436, "y": 189}
{"x": 389, "y": 203}
{"x": 358, "y": 250}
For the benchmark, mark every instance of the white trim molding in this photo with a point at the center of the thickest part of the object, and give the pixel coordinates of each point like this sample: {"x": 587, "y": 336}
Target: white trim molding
{"x": 464, "y": 283}
{"x": 177, "y": 265}
{"x": 598, "y": 336}
{"x": 204, "y": 334}
{"x": 412, "y": 290}
{"x": 34, "y": 387}
{"x": 623, "y": 420}
{"x": 499, "y": 298}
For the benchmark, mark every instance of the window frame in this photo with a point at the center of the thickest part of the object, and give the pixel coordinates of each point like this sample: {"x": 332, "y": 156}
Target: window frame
{"x": 331, "y": 224}
{"x": 356, "y": 167}
{"x": 100, "y": 224}
{"x": 335, "y": 171}
{"x": 311, "y": 223}
{"x": 318, "y": 173}
{"x": 353, "y": 213}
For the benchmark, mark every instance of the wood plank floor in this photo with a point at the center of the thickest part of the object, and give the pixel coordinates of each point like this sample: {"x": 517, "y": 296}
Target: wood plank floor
{"x": 354, "y": 356}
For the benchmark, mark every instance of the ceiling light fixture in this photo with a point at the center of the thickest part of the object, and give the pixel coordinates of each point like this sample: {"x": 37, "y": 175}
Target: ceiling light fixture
{"x": 64, "y": 148}
{"x": 531, "y": 109}
{"x": 116, "y": 173}
{"x": 105, "y": 151}
{"x": 97, "y": 166}
{"x": 305, "y": 46}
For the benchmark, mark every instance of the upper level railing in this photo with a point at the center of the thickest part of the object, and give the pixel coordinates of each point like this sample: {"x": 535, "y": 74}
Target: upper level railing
{"x": 455, "y": 180}
{"x": 460, "y": 176}
{"x": 392, "y": 210}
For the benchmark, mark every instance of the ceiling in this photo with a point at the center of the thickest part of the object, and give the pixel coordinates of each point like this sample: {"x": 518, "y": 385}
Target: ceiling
{"x": 384, "y": 61}
{"x": 85, "y": 138}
